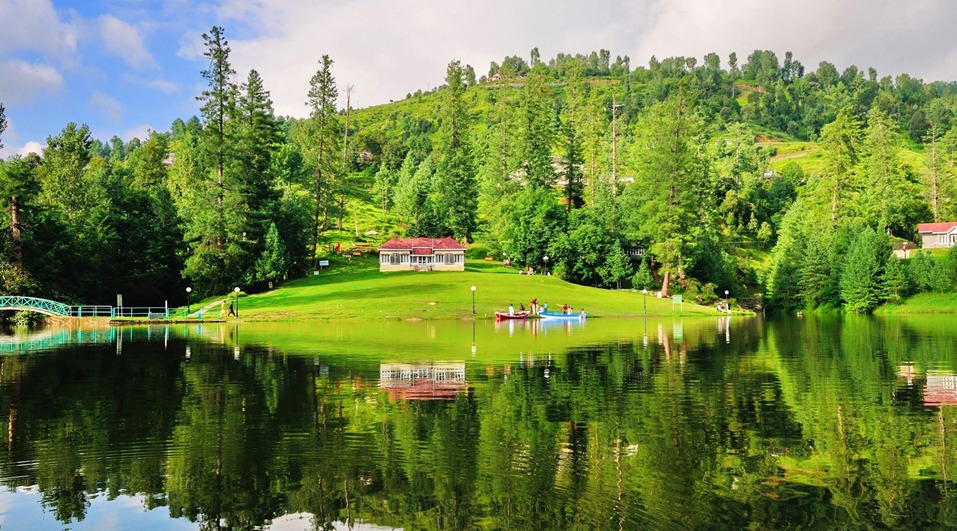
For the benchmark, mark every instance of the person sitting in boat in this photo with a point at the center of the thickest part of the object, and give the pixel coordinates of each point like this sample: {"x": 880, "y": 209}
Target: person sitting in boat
{"x": 545, "y": 307}
{"x": 511, "y": 309}
{"x": 521, "y": 306}
{"x": 583, "y": 313}
{"x": 565, "y": 308}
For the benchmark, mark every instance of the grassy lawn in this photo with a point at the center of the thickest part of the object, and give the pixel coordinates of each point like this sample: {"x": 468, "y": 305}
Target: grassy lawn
{"x": 922, "y": 303}
{"x": 355, "y": 289}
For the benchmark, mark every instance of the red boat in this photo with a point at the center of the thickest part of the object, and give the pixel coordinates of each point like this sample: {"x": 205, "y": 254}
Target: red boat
{"x": 499, "y": 316}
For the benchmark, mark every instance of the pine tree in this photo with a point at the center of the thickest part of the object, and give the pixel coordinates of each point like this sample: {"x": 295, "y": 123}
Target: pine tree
{"x": 456, "y": 198}
{"x": 257, "y": 139}
{"x": 885, "y": 198}
{"x": 920, "y": 269}
{"x": 536, "y": 139}
{"x": 219, "y": 102}
{"x": 665, "y": 204}
{"x": 571, "y": 126}
{"x": 895, "y": 279}
{"x": 643, "y": 278}
{"x": 18, "y": 187}
{"x": 840, "y": 147}
{"x": 860, "y": 283}
{"x": 617, "y": 266}
{"x": 322, "y": 108}
{"x": 383, "y": 187}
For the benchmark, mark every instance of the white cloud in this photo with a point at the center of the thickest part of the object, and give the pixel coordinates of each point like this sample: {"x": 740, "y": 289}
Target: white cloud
{"x": 161, "y": 85}
{"x": 156, "y": 84}
{"x": 123, "y": 40}
{"x": 191, "y": 46}
{"x": 31, "y": 147}
{"x": 33, "y": 25}
{"x": 109, "y": 107}
{"x": 22, "y": 82}
{"x": 389, "y": 48}
{"x": 140, "y": 131}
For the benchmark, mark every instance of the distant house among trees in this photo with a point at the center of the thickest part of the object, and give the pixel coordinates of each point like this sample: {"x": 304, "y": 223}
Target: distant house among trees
{"x": 937, "y": 235}
{"x": 422, "y": 254}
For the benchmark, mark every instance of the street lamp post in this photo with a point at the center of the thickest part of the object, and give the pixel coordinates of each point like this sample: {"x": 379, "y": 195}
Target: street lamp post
{"x": 546, "y": 265}
{"x": 644, "y": 299}
{"x": 236, "y": 291}
{"x": 188, "y": 290}
{"x": 473, "y": 300}
{"x": 726, "y": 307}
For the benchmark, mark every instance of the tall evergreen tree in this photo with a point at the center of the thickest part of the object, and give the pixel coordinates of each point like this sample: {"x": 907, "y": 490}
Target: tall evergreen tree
{"x": 895, "y": 279}
{"x": 382, "y": 189}
{"x": 218, "y": 106}
{"x": 665, "y": 204}
{"x": 18, "y": 186}
{"x": 861, "y": 287}
{"x": 257, "y": 139}
{"x": 643, "y": 278}
{"x": 456, "y": 200}
{"x": 322, "y": 110}
{"x": 571, "y": 126}
{"x": 537, "y": 114}
{"x": 840, "y": 146}
{"x": 884, "y": 185}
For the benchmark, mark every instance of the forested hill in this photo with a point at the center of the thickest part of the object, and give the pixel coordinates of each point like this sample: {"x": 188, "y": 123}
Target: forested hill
{"x": 777, "y": 184}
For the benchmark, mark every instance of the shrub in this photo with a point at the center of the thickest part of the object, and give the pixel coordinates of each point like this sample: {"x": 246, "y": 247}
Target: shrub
{"x": 478, "y": 252}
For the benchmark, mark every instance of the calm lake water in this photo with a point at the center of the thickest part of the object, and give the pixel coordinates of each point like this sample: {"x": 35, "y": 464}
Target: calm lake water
{"x": 612, "y": 424}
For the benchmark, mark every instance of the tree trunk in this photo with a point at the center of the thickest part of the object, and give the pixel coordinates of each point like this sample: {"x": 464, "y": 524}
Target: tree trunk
{"x": 933, "y": 177}
{"x": 345, "y": 159}
{"x": 664, "y": 283}
{"x": 15, "y": 230}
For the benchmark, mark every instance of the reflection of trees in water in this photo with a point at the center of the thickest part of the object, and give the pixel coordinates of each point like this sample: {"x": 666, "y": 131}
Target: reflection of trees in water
{"x": 788, "y": 424}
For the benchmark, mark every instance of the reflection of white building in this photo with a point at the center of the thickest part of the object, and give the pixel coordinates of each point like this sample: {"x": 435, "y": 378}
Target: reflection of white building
{"x": 438, "y": 381}
{"x": 940, "y": 389}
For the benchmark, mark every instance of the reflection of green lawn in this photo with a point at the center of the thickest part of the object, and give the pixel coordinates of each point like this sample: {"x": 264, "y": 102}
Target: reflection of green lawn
{"x": 453, "y": 339}
{"x": 355, "y": 289}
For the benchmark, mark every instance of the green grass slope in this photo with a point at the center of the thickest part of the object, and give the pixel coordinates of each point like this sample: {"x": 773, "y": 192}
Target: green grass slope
{"x": 355, "y": 289}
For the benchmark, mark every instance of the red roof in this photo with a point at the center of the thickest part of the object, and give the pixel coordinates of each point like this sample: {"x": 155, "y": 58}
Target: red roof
{"x": 936, "y": 228}
{"x": 421, "y": 245}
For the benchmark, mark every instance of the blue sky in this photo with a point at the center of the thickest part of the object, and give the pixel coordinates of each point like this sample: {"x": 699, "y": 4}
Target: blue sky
{"x": 126, "y": 66}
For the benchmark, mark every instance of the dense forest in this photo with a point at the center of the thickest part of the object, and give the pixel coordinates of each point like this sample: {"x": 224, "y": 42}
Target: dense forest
{"x": 784, "y": 186}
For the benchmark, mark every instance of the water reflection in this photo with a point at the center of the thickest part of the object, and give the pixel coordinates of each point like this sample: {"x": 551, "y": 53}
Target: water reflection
{"x": 436, "y": 381}
{"x": 651, "y": 423}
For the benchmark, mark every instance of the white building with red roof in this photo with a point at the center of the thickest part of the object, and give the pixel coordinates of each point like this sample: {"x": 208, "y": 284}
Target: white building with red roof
{"x": 937, "y": 235}
{"x": 422, "y": 254}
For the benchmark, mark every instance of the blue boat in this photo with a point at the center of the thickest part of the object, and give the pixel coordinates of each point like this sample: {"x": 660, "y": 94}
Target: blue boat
{"x": 557, "y": 316}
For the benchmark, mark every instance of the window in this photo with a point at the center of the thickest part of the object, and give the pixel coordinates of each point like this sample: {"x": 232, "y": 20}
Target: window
{"x": 393, "y": 259}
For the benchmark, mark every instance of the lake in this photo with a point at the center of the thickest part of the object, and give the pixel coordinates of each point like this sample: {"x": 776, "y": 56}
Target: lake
{"x": 706, "y": 423}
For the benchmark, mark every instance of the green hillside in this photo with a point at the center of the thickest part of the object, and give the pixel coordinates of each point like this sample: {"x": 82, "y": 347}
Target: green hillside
{"x": 584, "y": 158}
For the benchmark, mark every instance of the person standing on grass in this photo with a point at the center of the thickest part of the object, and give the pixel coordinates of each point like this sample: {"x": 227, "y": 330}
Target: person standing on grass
{"x": 534, "y": 306}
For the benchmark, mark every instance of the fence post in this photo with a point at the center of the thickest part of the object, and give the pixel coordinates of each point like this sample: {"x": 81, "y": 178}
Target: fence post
{"x": 79, "y": 311}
